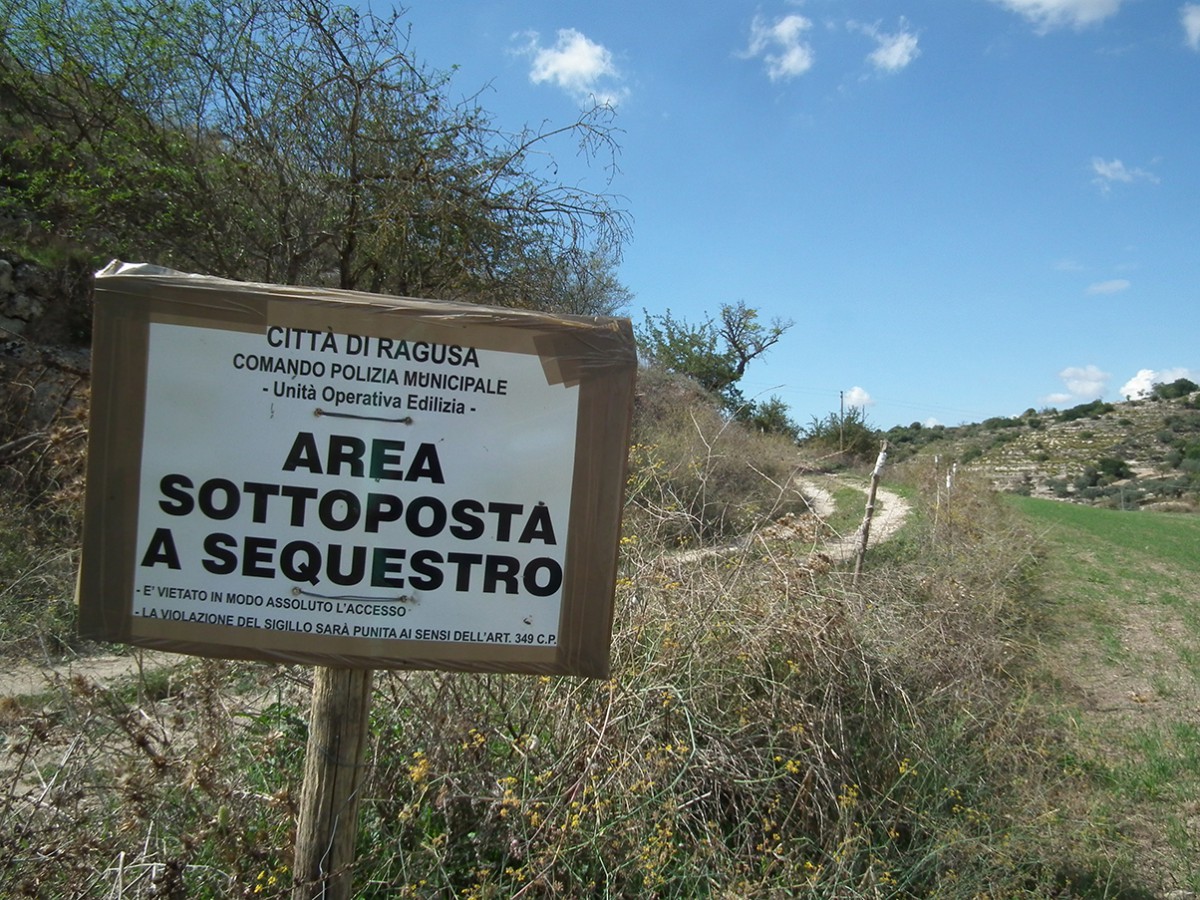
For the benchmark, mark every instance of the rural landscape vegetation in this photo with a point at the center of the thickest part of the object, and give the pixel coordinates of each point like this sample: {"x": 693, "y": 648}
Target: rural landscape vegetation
{"x": 1005, "y": 703}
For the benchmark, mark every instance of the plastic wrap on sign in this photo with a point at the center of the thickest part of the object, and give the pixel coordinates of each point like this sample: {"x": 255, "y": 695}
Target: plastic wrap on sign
{"x": 345, "y": 479}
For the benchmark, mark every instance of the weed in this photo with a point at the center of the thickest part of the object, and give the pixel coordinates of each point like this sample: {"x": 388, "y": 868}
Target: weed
{"x": 37, "y": 611}
{"x": 767, "y": 731}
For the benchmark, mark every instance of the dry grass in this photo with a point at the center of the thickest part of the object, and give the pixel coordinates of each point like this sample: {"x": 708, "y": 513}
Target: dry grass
{"x": 43, "y": 431}
{"x": 698, "y": 477}
{"x": 767, "y": 731}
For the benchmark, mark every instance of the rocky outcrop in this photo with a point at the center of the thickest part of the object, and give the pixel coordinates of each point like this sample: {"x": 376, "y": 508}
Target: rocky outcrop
{"x": 45, "y": 371}
{"x": 46, "y": 304}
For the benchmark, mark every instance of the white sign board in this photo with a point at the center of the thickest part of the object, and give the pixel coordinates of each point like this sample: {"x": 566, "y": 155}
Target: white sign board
{"x": 353, "y": 479}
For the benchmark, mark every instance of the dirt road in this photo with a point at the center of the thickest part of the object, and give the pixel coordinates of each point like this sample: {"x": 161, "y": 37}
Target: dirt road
{"x": 891, "y": 511}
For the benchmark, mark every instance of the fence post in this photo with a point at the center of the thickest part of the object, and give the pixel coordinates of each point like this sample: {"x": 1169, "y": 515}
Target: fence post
{"x": 864, "y": 530}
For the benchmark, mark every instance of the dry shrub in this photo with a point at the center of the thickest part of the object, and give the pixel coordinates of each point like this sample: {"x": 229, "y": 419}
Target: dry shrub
{"x": 696, "y": 475}
{"x": 767, "y": 731}
{"x": 43, "y": 439}
{"x": 954, "y": 604}
{"x": 171, "y": 785}
{"x": 43, "y": 430}
{"x": 728, "y": 752}
{"x": 733, "y": 750}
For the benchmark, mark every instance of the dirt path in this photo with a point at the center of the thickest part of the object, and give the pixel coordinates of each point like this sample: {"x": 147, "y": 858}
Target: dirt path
{"x": 891, "y": 511}
{"x": 26, "y": 679}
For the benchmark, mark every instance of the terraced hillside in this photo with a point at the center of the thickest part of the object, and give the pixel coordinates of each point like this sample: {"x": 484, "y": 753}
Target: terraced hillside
{"x": 1136, "y": 453}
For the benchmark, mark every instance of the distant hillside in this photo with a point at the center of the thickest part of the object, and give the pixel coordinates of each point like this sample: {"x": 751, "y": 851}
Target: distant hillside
{"x": 1137, "y": 453}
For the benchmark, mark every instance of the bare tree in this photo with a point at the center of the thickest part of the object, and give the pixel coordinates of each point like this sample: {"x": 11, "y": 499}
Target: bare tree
{"x": 299, "y": 142}
{"x": 714, "y": 352}
{"x": 746, "y": 339}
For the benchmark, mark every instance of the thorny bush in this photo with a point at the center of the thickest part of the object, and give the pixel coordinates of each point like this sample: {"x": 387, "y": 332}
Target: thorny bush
{"x": 768, "y": 730}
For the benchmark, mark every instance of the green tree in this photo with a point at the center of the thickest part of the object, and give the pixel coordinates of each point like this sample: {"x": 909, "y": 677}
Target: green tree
{"x": 297, "y": 142}
{"x": 771, "y": 417}
{"x": 714, "y": 352}
{"x": 848, "y": 434}
{"x": 1180, "y": 387}
{"x": 581, "y": 282}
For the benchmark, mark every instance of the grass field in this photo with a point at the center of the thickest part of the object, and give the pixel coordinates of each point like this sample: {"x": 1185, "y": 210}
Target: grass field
{"x": 1123, "y": 667}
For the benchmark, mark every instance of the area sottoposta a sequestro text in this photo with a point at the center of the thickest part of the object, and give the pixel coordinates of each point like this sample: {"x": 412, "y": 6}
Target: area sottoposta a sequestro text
{"x": 341, "y": 511}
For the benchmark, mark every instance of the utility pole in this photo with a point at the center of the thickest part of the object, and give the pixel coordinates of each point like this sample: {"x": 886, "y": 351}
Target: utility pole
{"x": 841, "y": 421}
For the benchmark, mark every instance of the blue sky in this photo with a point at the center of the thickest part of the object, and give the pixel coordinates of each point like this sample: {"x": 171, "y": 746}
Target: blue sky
{"x": 967, "y": 207}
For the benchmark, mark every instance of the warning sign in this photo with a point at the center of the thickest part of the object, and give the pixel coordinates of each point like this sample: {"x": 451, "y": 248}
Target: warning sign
{"x": 349, "y": 479}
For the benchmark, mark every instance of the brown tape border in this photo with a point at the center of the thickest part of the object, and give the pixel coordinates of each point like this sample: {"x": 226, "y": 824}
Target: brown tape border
{"x": 597, "y": 354}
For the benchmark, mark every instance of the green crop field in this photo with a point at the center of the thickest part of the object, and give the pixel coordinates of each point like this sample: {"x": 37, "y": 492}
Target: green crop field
{"x": 1153, "y": 539}
{"x": 1123, "y": 666}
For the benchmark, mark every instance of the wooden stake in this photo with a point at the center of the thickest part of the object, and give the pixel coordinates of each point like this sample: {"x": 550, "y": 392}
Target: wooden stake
{"x": 333, "y": 767}
{"x": 865, "y": 529}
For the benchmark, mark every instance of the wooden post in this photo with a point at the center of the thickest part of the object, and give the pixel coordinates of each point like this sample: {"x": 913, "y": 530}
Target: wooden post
{"x": 333, "y": 766}
{"x": 864, "y": 530}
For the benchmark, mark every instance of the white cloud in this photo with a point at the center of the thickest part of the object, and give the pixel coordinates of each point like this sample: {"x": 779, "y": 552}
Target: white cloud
{"x": 578, "y": 65}
{"x": 1047, "y": 15}
{"x": 893, "y": 52}
{"x": 1141, "y": 383}
{"x": 1111, "y": 172}
{"x": 781, "y": 45}
{"x": 856, "y": 396}
{"x": 1115, "y": 286}
{"x": 1189, "y": 15}
{"x": 1083, "y": 383}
